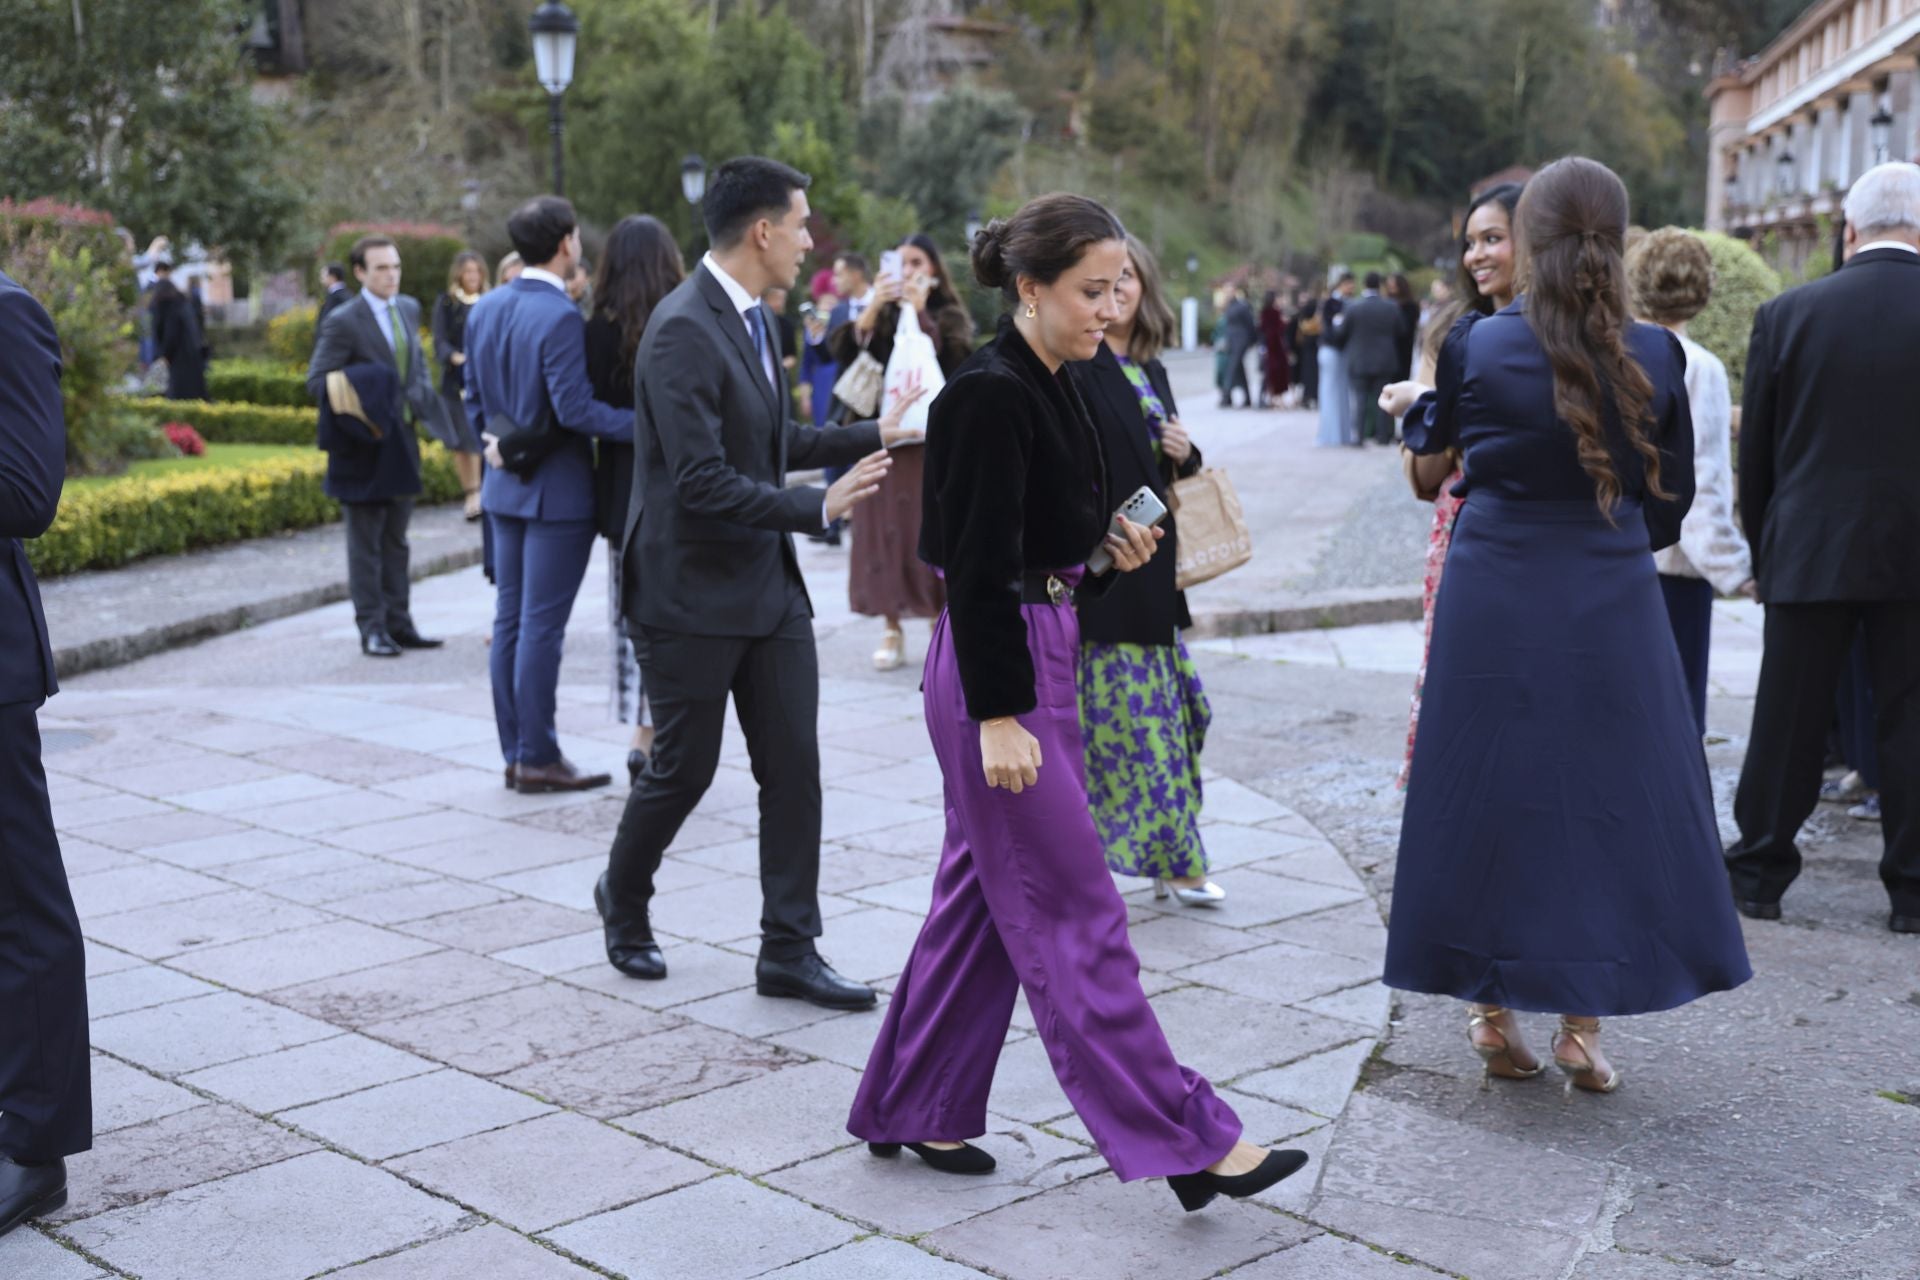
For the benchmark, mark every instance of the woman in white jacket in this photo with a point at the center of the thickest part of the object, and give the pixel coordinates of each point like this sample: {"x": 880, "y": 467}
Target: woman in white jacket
{"x": 1671, "y": 274}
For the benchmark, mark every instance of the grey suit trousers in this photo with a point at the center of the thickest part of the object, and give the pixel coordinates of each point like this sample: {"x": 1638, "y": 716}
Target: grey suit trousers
{"x": 378, "y": 564}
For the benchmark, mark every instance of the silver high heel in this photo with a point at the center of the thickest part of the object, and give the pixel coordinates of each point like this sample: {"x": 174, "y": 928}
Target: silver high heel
{"x": 1205, "y": 895}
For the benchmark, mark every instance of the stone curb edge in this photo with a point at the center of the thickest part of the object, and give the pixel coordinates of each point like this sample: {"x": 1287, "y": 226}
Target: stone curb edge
{"x": 1309, "y": 615}
{"x": 115, "y": 651}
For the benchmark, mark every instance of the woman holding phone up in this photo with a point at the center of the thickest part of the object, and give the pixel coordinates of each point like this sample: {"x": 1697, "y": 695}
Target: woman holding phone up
{"x": 1015, "y": 502}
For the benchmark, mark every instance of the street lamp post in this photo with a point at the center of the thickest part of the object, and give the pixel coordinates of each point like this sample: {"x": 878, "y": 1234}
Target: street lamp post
{"x": 693, "y": 179}
{"x": 1190, "y": 309}
{"x": 1880, "y": 129}
{"x": 556, "y": 33}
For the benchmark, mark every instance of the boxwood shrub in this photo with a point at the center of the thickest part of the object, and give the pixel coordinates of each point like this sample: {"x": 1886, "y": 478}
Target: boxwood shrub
{"x": 271, "y": 382}
{"x": 234, "y": 423}
{"x": 102, "y": 526}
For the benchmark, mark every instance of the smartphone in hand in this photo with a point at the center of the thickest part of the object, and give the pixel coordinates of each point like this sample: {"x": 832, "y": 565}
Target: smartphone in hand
{"x": 1142, "y": 508}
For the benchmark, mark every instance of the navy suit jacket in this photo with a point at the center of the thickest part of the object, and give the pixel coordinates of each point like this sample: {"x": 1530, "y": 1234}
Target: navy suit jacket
{"x": 33, "y": 463}
{"x": 527, "y": 354}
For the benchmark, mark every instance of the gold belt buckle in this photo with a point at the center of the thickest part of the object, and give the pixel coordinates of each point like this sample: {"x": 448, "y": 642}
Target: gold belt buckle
{"x": 1057, "y": 591}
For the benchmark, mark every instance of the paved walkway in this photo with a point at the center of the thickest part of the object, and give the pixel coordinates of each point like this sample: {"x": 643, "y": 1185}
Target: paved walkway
{"x": 350, "y": 1011}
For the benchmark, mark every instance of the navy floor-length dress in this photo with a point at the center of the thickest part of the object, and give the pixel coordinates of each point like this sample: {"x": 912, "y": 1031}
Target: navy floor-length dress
{"x": 1559, "y": 851}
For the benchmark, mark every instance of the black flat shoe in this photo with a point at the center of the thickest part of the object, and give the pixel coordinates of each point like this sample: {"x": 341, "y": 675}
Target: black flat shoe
{"x": 811, "y": 979}
{"x": 635, "y": 959}
{"x": 1754, "y": 909}
{"x": 1903, "y": 924}
{"x": 1197, "y": 1190}
{"x": 636, "y": 763}
{"x": 30, "y": 1190}
{"x": 967, "y": 1159}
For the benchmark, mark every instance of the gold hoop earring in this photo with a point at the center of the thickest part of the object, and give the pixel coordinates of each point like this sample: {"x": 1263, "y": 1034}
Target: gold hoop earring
{"x": 1030, "y": 311}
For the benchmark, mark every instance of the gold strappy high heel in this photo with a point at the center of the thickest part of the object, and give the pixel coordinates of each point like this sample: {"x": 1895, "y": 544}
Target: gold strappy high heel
{"x": 1582, "y": 1075}
{"x": 1500, "y": 1054}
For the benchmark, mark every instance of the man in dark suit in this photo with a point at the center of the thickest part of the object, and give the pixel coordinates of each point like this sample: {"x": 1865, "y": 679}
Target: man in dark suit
{"x": 333, "y": 280}
{"x": 381, "y": 326}
{"x": 1830, "y": 497}
{"x": 1369, "y": 330}
{"x": 713, "y": 595}
{"x": 46, "y": 1098}
{"x": 526, "y": 363}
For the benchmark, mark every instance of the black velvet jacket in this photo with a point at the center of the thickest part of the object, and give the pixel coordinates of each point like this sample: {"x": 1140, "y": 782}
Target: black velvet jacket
{"x": 1015, "y": 483}
{"x": 1143, "y": 607}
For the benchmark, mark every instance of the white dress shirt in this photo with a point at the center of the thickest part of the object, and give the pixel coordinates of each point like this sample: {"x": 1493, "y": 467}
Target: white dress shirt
{"x": 544, "y": 277}
{"x": 1887, "y": 244}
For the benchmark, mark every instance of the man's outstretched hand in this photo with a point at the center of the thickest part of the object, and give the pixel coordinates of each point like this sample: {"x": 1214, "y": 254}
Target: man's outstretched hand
{"x": 861, "y": 482}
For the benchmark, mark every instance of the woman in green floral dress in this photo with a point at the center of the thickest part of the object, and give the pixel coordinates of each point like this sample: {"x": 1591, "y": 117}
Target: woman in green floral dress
{"x": 1143, "y": 712}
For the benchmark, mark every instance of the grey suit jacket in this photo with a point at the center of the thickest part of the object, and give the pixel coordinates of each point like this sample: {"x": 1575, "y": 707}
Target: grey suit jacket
{"x": 1369, "y": 331}
{"x": 709, "y": 546}
{"x": 350, "y": 335}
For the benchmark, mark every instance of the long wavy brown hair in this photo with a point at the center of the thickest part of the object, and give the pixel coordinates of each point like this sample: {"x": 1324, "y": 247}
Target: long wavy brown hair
{"x": 1571, "y": 225}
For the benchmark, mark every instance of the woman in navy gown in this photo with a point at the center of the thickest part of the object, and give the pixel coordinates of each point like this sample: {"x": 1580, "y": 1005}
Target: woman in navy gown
{"x": 1559, "y": 851}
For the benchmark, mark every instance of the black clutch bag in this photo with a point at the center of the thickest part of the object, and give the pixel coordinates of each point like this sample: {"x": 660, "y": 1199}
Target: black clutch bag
{"x": 524, "y": 446}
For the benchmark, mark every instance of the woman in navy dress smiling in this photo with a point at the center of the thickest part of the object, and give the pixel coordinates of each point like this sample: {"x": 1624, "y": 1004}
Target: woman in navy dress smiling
{"x": 1559, "y": 851}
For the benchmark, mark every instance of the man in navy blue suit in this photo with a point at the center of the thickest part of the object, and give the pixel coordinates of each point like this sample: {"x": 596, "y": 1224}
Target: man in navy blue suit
{"x": 46, "y": 1094}
{"x": 526, "y": 364}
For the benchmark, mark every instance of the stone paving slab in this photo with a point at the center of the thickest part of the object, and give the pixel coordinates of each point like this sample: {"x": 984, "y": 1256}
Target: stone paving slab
{"x": 372, "y": 978}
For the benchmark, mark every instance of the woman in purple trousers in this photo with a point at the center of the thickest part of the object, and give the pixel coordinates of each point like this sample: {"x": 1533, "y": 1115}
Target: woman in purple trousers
{"x": 1014, "y": 501}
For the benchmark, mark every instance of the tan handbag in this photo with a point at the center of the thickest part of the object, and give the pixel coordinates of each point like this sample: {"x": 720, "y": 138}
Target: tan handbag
{"x": 1214, "y": 537}
{"x": 859, "y": 387}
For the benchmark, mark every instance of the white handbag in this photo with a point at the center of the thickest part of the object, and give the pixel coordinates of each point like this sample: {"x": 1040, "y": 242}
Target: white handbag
{"x": 913, "y": 353}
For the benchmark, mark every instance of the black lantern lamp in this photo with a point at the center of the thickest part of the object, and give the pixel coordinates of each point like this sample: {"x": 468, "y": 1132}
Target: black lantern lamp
{"x": 556, "y": 34}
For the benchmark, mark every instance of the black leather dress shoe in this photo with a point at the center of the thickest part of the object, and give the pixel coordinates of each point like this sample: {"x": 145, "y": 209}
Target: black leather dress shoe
{"x": 414, "y": 640}
{"x": 29, "y": 1190}
{"x": 1903, "y": 924}
{"x": 511, "y": 771}
{"x": 378, "y": 644}
{"x": 811, "y": 979}
{"x": 1756, "y": 910}
{"x": 635, "y": 959}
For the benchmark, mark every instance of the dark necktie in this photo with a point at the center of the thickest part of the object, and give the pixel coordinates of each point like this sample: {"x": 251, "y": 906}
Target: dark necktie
{"x": 757, "y": 321}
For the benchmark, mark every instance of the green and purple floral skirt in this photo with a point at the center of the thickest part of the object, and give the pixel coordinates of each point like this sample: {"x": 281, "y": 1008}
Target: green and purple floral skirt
{"x": 1144, "y": 717}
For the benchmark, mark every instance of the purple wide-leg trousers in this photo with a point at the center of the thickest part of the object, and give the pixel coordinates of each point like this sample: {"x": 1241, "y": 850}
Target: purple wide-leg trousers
{"x": 1023, "y": 900}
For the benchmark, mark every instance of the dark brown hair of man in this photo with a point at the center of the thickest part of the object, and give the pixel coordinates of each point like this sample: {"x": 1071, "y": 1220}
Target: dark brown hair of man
{"x": 1571, "y": 225}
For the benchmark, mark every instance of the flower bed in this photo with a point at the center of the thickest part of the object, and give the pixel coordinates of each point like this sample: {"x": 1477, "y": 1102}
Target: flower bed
{"x": 234, "y": 423}
{"x": 108, "y": 522}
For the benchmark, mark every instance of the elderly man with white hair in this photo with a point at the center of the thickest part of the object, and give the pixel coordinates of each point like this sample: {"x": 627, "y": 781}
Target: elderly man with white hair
{"x": 1830, "y": 497}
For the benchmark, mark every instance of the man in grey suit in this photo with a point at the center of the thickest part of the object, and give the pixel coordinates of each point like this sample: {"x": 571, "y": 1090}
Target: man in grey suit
{"x": 713, "y": 595}
{"x": 382, "y": 325}
{"x": 1369, "y": 331}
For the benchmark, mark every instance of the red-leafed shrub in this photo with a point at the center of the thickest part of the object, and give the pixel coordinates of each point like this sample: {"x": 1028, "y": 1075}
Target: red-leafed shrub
{"x": 184, "y": 438}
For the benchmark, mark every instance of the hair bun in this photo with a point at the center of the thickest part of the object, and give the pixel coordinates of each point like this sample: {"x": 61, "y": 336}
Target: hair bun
{"x": 989, "y": 255}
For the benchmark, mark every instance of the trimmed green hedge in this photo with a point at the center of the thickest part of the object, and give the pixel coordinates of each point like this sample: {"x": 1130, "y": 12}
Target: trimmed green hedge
{"x": 270, "y": 382}
{"x": 234, "y": 423}
{"x": 102, "y": 526}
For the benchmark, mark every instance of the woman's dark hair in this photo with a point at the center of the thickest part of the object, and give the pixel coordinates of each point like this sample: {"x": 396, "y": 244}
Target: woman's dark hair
{"x": 744, "y": 190}
{"x": 943, "y": 294}
{"x": 539, "y": 227}
{"x": 640, "y": 266}
{"x": 1042, "y": 241}
{"x": 1399, "y": 288}
{"x": 1572, "y": 225}
{"x": 1466, "y": 293}
{"x": 459, "y": 264}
